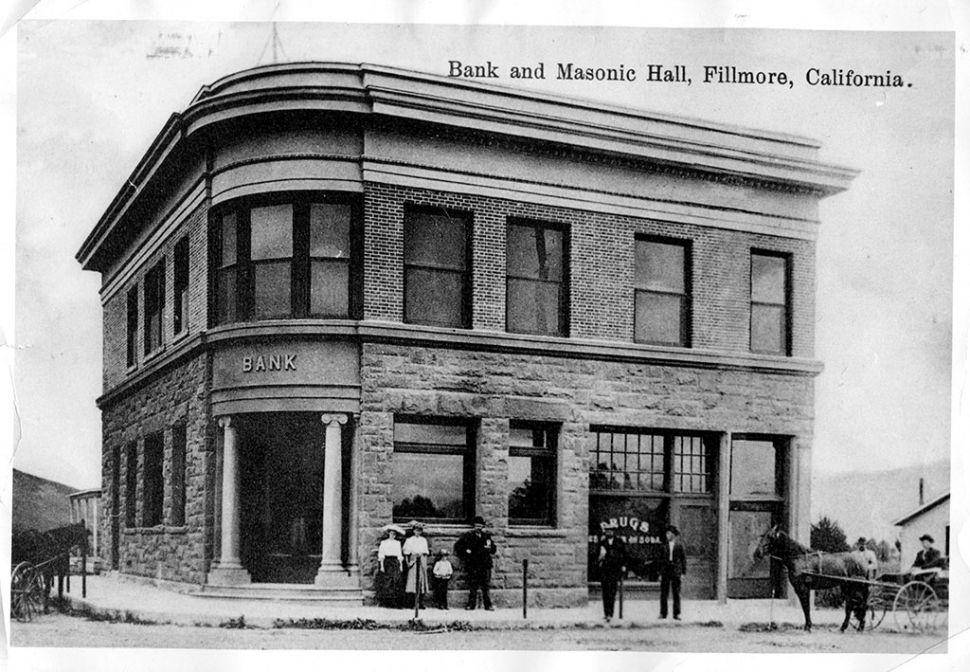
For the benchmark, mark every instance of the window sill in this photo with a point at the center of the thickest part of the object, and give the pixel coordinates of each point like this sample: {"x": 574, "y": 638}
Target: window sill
{"x": 154, "y": 354}
{"x": 541, "y": 531}
{"x": 157, "y": 529}
{"x": 180, "y": 336}
{"x": 131, "y": 368}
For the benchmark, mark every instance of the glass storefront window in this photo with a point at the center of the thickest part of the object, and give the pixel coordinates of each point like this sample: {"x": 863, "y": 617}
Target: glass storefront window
{"x": 432, "y": 471}
{"x": 532, "y": 474}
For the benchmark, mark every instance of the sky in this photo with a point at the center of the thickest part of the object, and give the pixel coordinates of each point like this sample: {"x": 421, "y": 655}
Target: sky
{"x": 90, "y": 97}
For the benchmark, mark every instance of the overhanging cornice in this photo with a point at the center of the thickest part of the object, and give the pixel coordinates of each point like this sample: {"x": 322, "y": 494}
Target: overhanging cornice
{"x": 656, "y": 141}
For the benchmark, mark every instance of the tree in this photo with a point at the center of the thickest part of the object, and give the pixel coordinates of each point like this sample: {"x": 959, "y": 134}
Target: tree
{"x": 828, "y": 536}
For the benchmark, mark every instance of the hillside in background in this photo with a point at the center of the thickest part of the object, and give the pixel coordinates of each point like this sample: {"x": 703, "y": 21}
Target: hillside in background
{"x": 865, "y": 503}
{"x": 38, "y": 503}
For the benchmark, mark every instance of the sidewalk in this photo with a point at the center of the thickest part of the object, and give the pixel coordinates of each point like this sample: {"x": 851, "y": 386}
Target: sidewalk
{"x": 125, "y": 599}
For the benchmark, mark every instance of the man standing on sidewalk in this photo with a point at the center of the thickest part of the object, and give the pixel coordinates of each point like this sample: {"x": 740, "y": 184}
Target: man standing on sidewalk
{"x": 611, "y": 561}
{"x": 673, "y": 566}
{"x": 476, "y": 548}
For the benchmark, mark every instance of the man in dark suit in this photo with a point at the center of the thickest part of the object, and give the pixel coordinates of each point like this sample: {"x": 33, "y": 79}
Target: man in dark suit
{"x": 611, "y": 561}
{"x": 673, "y": 565}
{"x": 928, "y": 558}
{"x": 476, "y": 548}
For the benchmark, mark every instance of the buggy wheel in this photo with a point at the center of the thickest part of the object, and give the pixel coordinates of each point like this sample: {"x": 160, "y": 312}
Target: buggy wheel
{"x": 26, "y": 592}
{"x": 877, "y": 607}
{"x": 916, "y": 608}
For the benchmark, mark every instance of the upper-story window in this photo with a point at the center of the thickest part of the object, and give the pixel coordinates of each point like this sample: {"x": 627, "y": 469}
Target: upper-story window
{"x": 132, "y": 334}
{"x": 280, "y": 259}
{"x": 436, "y": 267}
{"x": 770, "y": 314}
{"x": 154, "y": 306}
{"x": 180, "y": 286}
{"x": 535, "y": 289}
{"x": 661, "y": 296}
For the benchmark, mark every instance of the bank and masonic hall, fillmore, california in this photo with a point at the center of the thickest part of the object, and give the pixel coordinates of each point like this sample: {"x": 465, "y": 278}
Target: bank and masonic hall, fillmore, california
{"x": 338, "y": 296}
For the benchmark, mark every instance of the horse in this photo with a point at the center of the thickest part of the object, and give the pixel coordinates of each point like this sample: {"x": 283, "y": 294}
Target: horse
{"x": 49, "y": 551}
{"x": 810, "y": 570}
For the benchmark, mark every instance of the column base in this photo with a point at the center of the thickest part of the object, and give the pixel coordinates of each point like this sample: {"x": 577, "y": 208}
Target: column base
{"x": 229, "y": 575}
{"x": 336, "y": 576}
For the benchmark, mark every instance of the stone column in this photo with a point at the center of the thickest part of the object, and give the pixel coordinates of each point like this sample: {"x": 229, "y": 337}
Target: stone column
{"x": 331, "y": 563}
{"x": 228, "y": 570}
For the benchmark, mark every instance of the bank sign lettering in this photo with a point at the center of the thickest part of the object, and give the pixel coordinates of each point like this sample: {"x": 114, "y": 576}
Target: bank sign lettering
{"x": 269, "y": 363}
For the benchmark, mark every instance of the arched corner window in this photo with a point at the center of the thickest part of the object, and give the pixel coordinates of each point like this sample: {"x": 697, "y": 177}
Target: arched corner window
{"x": 286, "y": 257}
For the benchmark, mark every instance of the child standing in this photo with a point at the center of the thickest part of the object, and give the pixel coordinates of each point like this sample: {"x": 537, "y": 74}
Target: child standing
{"x": 441, "y": 576}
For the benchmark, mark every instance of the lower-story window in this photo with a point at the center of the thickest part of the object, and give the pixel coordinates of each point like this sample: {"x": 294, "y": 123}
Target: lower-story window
{"x": 153, "y": 487}
{"x": 131, "y": 484}
{"x": 532, "y": 473}
{"x": 433, "y": 470}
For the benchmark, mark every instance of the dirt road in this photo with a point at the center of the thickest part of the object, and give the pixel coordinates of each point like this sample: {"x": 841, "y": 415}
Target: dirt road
{"x": 66, "y": 631}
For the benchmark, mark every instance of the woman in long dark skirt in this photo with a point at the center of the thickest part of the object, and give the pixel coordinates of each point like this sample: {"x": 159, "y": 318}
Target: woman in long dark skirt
{"x": 389, "y": 564}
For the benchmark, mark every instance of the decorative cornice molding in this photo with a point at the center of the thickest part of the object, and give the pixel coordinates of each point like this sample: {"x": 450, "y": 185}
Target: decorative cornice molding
{"x": 393, "y": 333}
{"x": 595, "y": 132}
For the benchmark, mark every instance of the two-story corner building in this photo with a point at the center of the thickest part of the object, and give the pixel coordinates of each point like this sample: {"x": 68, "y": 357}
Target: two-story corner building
{"x": 338, "y": 296}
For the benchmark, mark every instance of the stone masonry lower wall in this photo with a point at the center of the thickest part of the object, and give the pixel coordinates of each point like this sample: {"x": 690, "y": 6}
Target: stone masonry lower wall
{"x": 496, "y": 387}
{"x": 164, "y": 551}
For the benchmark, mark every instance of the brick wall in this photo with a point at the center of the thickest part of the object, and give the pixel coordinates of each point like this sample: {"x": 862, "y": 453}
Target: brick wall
{"x": 601, "y": 268}
{"x": 496, "y": 387}
{"x": 115, "y": 312}
{"x": 164, "y": 551}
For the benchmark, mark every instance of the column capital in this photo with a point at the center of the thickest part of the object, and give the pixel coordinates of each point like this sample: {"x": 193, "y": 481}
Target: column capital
{"x": 224, "y": 421}
{"x": 328, "y": 418}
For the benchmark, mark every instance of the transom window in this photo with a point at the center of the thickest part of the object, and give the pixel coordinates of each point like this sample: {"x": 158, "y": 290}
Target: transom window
{"x": 532, "y": 473}
{"x": 286, "y": 258}
{"x": 651, "y": 462}
{"x": 661, "y": 299}
{"x": 769, "y": 303}
{"x": 536, "y": 297}
{"x": 433, "y": 470}
{"x": 436, "y": 267}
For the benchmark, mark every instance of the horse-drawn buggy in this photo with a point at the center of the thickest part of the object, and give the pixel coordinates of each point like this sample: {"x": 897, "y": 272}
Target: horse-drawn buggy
{"x": 918, "y": 600}
{"x": 37, "y": 558}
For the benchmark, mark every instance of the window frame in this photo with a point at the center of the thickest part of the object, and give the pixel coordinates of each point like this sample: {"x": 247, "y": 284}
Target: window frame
{"x": 786, "y": 326}
{"x": 300, "y": 262}
{"x": 468, "y": 454}
{"x": 180, "y": 286}
{"x": 550, "y": 452}
{"x": 563, "y": 282}
{"x": 154, "y": 291}
{"x": 686, "y": 309}
{"x": 467, "y": 222}
{"x": 131, "y": 335}
{"x": 153, "y": 480}
{"x": 710, "y": 441}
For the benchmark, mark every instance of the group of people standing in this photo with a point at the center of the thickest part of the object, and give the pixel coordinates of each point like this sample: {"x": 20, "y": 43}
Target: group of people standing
{"x": 611, "y": 562}
{"x": 402, "y": 568}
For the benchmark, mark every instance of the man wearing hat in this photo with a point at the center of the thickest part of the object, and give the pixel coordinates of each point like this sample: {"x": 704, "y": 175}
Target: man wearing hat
{"x": 673, "y": 565}
{"x": 867, "y": 558}
{"x": 928, "y": 558}
{"x": 476, "y": 548}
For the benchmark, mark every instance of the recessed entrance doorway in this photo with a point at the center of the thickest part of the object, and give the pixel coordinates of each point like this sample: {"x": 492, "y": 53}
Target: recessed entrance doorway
{"x": 281, "y": 488}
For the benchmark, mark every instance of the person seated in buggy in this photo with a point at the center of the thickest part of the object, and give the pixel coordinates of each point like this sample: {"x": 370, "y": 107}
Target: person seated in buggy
{"x": 929, "y": 560}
